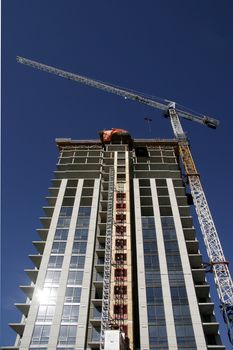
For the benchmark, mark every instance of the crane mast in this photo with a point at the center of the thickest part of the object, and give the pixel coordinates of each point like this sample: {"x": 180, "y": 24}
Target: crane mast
{"x": 218, "y": 263}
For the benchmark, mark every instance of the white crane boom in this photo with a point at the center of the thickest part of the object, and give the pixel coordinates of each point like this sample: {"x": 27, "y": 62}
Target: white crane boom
{"x": 218, "y": 262}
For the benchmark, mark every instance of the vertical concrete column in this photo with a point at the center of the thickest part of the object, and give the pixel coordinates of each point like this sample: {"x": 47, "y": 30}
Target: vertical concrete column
{"x": 26, "y": 340}
{"x": 86, "y": 286}
{"x": 143, "y": 316}
{"x": 54, "y": 332}
{"x": 190, "y": 289}
{"x": 129, "y": 253}
{"x": 169, "y": 318}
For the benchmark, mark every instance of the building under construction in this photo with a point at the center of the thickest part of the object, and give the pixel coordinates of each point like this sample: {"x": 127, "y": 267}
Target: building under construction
{"x": 118, "y": 263}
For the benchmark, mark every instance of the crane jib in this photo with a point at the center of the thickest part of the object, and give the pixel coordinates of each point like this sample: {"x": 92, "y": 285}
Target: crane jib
{"x": 210, "y": 122}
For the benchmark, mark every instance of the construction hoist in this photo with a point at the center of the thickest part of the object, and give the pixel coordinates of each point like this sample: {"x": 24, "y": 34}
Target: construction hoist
{"x": 217, "y": 261}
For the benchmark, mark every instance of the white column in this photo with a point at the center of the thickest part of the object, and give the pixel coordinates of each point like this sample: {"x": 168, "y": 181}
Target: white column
{"x": 25, "y": 342}
{"x": 143, "y": 316}
{"x": 54, "y": 332}
{"x": 86, "y": 285}
{"x": 190, "y": 288}
{"x": 169, "y": 317}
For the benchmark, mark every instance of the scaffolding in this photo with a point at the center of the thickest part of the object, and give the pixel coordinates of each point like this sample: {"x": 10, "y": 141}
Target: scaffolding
{"x": 107, "y": 260}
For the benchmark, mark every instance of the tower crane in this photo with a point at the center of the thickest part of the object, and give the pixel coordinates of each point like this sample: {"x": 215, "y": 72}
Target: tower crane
{"x": 218, "y": 263}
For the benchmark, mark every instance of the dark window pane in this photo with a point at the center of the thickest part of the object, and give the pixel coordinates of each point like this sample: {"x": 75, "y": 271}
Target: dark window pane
{"x": 81, "y": 234}
{"x": 61, "y": 234}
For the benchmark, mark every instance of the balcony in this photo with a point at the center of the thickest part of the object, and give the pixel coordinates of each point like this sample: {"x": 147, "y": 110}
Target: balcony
{"x": 36, "y": 259}
{"x": 198, "y": 275}
{"x": 39, "y": 245}
{"x": 98, "y": 284}
{"x": 51, "y": 200}
{"x": 210, "y": 328}
{"x": 18, "y": 328}
{"x": 53, "y": 191}
{"x": 78, "y": 174}
{"x": 192, "y": 246}
{"x": 45, "y": 221}
{"x": 206, "y": 308}
{"x": 24, "y": 308}
{"x": 48, "y": 211}
{"x": 100, "y": 252}
{"x": 28, "y": 290}
{"x": 195, "y": 261}
{"x": 94, "y": 344}
{"x": 43, "y": 233}
{"x": 202, "y": 292}
{"x": 189, "y": 234}
{"x": 32, "y": 274}
{"x": 95, "y": 321}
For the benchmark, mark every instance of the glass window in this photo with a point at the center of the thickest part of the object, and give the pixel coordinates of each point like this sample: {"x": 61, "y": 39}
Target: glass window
{"x": 151, "y": 261}
{"x": 150, "y": 247}
{"x": 66, "y": 211}
{"x": 173, "y": 261}
{"x": 167, "y": 221}
{"x": 55, "y": 261}
{"x": 182, "y": 314}
{"x": 45, "y": 313}
{"x": 40, "y": 334}
{"x": 156, "y": 313}
{"x": 63, "y": 222}
{"x": 52, "y": 277}
{"x": 154, "y": 295}
{"x": 178, "y": 292}
{"x": 84, "y": 211}
{"x": 99, "y": 276}
{"x": 81, "y": 234}
{"x": 67, "y": 334}
{"x": 95, "y": 334}
{"x": 176, "y": 277}
{"x": 48, "y": 295}
{"x": 185, "y": 335}
{"x": 97, "y": 312}
{"x": 169, "y": 233}
{"x": 148, "y": 222}
{"x": 77, "y": 261}
{"x": 171, "y": 246}
{"x": 148, "y": 234}
{"x": 75, "y": 277}
{"x": 152, "y": 276}
{"x": 83, "y": 221}
{"x": 61, "y": 234}
{"x": 158, "y": 335}
{"x": 79, "y": 247}
{"x": 70, "y": 313}
{"x": 73, "y": 294}
{"x": 100, "y": 260}
{"x": 58, "y": 247}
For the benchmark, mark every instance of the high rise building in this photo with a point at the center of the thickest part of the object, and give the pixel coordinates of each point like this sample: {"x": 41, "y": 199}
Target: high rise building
{"x": 118, "y": 250}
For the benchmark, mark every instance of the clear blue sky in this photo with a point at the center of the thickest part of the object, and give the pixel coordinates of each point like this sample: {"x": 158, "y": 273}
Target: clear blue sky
{"x": 180, "y": 50}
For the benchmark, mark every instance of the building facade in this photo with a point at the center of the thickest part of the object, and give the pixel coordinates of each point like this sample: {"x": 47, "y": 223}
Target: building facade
{"x": 118, "y": 250}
